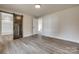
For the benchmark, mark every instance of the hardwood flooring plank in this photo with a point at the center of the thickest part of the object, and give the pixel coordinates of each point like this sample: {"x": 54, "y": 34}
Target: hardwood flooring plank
{"x": 41, "y": 45}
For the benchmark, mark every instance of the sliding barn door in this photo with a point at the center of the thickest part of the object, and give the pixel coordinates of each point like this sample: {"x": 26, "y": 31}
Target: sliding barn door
{"x": 18, "y": 29}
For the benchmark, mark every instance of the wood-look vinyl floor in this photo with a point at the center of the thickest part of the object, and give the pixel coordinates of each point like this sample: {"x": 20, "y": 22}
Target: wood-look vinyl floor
{"x": 41, "y": 45}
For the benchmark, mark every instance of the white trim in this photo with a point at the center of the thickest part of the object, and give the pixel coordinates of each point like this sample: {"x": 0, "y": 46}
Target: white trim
{"x": 27, "y": 35}
{"x": 60, "y": 38}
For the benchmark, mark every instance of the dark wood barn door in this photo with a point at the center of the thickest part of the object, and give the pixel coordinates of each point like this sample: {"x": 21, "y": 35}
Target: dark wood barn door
{"x": 17, "y": 26}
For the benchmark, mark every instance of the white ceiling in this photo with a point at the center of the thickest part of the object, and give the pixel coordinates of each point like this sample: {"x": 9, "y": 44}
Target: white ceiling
{"x": 30, "y": 9}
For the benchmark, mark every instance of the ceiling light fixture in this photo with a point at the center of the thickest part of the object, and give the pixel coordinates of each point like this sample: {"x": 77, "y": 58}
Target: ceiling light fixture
{"x": 37, "y": 6}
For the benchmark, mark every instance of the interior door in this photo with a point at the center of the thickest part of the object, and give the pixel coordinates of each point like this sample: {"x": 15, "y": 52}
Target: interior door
{"x": 18, "y": 33}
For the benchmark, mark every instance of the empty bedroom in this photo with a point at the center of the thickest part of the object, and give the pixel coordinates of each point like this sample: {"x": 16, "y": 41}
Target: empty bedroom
{"x": 39, "y": 28}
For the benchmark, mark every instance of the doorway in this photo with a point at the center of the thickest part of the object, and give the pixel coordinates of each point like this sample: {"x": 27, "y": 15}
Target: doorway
{"x": 37, "y": 26}
{"x": 17, "y": 26}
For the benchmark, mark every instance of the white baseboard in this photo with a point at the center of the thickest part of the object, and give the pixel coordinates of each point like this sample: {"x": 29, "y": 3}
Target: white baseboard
{"x": 27, "y": 35}
{"x": 66, "y": 39}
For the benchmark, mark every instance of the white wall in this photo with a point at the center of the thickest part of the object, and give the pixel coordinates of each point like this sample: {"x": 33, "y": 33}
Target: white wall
{"x": 27, "y": 25}
{"x": 63, "y": 24}
{"x": 0, "y": 22}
